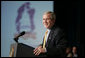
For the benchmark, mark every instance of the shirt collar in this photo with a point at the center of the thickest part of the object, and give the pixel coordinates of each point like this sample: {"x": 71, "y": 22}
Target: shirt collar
{"x": 48, "y": 30}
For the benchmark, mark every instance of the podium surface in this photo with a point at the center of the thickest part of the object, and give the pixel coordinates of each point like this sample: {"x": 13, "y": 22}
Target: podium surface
{"x": 24, "y": 50}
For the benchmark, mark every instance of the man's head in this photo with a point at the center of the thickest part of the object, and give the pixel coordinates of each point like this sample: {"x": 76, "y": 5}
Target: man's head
{"x": 49, "y": 19}
{"x": 74, "y": 49}
{"x": 68, "y": 50}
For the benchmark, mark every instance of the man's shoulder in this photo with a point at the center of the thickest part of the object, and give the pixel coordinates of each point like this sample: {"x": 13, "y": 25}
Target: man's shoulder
{"x": 57, "y": 29}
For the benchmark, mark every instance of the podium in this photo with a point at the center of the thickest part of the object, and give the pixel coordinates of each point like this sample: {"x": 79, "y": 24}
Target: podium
{"x": 22, "y": 50}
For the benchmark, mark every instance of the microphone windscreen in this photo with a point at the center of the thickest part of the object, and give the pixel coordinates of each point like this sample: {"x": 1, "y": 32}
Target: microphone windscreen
{"x": 22, "y": 33}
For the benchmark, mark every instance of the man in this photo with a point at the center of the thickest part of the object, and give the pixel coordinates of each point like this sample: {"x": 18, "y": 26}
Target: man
{"x": 55, "y": 40}
{"x": 68, "y": 52}
{"x": 74, "y": 51}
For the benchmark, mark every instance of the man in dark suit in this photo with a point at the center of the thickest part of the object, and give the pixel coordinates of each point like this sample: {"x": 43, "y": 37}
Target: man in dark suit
{"x": 55, "y": 39}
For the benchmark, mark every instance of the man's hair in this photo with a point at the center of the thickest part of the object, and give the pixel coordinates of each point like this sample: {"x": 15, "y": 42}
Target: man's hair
{"x": 53, "y": 16}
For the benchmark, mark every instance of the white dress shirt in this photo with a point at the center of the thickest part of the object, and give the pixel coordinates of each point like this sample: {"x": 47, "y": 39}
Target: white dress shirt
{"x": 47, "y": 37}
{"x": 47, "y": 34}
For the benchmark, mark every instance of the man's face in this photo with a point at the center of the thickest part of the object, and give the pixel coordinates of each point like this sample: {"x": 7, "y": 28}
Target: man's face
{"x": 47, "y": 21}
{"x": 74, "y": 50}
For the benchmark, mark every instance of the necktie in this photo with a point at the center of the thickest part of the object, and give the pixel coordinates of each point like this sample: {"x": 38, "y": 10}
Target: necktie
{"x": 45, "y": 39}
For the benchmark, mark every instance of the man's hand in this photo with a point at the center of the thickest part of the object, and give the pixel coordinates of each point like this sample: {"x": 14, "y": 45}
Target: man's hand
{"x": 39, "y": 50}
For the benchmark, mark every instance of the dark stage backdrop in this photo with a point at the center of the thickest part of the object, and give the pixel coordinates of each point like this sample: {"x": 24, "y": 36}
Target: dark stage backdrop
{"x": 68, "y": 18}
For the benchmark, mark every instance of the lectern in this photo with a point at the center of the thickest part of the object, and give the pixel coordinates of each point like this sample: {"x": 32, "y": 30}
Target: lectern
{"x": 21, "y": 50}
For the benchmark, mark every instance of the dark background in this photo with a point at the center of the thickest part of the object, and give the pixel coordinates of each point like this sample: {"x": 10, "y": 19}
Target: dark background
{"x": 68, "y": 18}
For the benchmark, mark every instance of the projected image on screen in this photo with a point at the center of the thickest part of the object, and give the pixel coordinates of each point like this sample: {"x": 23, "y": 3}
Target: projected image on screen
{"x": 19, "y": 16}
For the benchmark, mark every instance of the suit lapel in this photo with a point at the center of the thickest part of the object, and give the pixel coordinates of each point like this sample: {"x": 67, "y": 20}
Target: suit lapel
{"x": 52, "y": 35}
{"x": 49, "y": 38}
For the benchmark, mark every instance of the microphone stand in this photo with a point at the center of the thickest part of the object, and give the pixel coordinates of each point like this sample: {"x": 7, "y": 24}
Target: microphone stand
{"x": 16, "y": 39}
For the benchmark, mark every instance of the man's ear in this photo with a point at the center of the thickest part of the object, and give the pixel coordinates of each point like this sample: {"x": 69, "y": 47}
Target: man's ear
{"x": 54, "y": 20}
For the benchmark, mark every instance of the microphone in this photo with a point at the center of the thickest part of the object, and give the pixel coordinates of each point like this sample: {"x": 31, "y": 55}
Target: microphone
{"x": 21, "y": 34}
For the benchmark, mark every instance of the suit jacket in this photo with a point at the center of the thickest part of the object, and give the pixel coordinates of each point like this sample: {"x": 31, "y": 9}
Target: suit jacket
{"x": 56, "y": 43}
